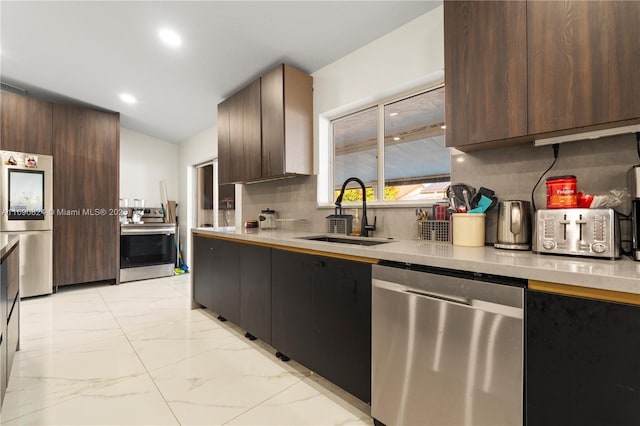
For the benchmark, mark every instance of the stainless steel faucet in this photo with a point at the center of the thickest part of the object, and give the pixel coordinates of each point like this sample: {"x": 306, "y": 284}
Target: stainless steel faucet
{"x": 364, "y": 227}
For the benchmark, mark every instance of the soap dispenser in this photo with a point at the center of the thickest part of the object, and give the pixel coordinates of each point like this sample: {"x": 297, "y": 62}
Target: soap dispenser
{"x": 356, "y": 225}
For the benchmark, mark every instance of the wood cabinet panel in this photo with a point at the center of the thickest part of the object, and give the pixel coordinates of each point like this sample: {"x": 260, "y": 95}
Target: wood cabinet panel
{"x": 582, "y": 362}
{"x": 273, "y": 122}
{"x": 225, "y": 174}
{"x": 26, "y": 124}
{"x": 287, "y": 122}
{"x": 250, "y": 162}
{"x": 270, "y": 128}
{"x": 86, "y": 152}
{"x": 485, "y": 71}
{"x": 583, "y": 63}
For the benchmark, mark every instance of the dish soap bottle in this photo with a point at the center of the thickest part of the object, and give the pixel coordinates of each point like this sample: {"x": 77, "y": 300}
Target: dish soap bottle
{"x": 356, "y": 224}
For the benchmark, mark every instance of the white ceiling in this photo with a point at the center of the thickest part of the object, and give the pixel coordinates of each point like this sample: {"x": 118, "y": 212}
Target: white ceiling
{"x": 90, "y": 52}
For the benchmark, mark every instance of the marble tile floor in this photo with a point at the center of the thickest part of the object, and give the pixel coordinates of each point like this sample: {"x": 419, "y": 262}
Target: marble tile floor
{"x": 137, "y": 354}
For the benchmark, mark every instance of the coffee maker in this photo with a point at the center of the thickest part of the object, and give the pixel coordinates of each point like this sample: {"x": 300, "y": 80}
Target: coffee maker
{"x": 634, "y": 190}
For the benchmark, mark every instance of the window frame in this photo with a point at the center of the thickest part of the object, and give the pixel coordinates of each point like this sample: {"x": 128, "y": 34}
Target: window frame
{"x": 326, "y": 200}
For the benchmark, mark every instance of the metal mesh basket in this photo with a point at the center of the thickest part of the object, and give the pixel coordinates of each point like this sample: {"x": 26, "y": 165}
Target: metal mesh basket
{"x": 339, "y": 224}
{"x": 434, "y": 230}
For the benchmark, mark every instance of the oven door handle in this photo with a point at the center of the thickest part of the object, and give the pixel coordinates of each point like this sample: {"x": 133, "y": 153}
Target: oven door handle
{"x": 147, "y": 231}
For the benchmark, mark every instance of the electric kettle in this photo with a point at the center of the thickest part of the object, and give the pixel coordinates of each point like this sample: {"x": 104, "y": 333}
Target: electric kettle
{"x": 514, "y": 225}
{"x": 267, "y": 219}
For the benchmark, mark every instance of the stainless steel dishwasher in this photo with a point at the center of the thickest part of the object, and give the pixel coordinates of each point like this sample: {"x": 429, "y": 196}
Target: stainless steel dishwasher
{"x": 447, "y": 347}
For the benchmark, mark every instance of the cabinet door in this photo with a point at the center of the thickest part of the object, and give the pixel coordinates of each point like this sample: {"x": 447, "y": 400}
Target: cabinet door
{"x": 86, "y": 151}
{"x": 485, "y": 71}
{"x": 342, "y": 324}
{"x": 583, "y": 362}
{"x": 202, "y": 271}
{"x": 236, "y": 137}
{"x": 291, "y": 315}
{"x": 26, "y": 124}
{"x": 255, "y": 291}
{"x": 225, "y": 162}
{"x": 583, "y": 63}
{"x": 225, "y": 271}
{"x": 273, "y": 122}
{"x": 251, "y": 160}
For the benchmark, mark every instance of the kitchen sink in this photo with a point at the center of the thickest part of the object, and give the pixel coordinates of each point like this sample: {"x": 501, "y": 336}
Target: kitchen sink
{"x": 347, "y": 240}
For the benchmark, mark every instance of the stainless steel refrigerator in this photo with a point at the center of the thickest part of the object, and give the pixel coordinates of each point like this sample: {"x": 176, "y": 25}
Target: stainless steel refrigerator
{"x": 26, "y": 200}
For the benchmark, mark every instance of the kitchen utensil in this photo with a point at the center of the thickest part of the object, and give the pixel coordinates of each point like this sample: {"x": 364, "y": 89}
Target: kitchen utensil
{"x": 486, "y": 192}
{"x": 483, "y": 205}
{"x": 455, "y": 195}
{"x": 465, "y": 195}
{"x": 514, "y": 225}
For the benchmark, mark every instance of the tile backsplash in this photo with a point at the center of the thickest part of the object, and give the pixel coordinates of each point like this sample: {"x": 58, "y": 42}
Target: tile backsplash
{"x": 599, "y": 165}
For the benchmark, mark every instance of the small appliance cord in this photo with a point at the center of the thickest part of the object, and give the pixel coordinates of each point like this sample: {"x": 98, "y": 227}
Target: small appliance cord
{"x": 556, "y": 150}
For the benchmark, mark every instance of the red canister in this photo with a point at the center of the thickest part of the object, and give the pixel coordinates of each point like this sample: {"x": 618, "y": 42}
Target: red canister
{"x": 562, "y": 192}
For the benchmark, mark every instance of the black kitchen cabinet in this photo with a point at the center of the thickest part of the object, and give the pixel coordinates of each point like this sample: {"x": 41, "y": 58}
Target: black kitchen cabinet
{"x": 582, "y": 362}
{"x": 322, "y": 317}
{"x": 216, "y": 280}
{"x": 342, "y": 324}
{"x": 291, "y": 305}
{"x": 203, "y": 265}
{"x": 255, "y": 290}
{"x": 234, "y": 280}
{"x": 10, "y": 314}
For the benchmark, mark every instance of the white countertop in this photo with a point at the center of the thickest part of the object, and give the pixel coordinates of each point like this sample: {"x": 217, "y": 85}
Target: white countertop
{"x": 7, "y": 241}
{"x": 618, "y": 275}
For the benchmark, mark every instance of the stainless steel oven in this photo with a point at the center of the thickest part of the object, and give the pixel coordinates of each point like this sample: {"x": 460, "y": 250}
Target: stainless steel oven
{"x": 147, "y": 249}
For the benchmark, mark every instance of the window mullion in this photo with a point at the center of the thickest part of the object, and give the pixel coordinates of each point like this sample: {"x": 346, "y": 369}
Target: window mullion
{"x": 380, "y": 152}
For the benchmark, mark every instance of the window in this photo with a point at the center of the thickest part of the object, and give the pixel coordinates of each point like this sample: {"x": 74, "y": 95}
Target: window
{"x": 397, "y": 148}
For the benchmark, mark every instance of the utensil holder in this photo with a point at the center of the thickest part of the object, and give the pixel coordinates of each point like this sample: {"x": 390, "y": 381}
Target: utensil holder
{"x": 339, "y": 224}
{"x": 434, "y": 230}
{"x": 468, "y": 229}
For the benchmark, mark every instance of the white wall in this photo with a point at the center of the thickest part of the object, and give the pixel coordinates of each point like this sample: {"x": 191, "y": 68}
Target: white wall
{"x": 404, "y": 59}
{"x": 398, "y": 60}
{"x": 198, "y": 149}
{"x": 144, "y": 162}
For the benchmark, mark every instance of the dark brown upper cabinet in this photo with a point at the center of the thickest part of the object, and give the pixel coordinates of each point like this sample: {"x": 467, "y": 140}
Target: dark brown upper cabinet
{"x": 516, "y": 71}
{"x": 27, "y": 124}
{"x": 584, "y": 60}
{"x": 485, "y": 71}
{"x": 86, "y": 178}
{"x": 287, "y": 122}
{"x": 265, "y": 130}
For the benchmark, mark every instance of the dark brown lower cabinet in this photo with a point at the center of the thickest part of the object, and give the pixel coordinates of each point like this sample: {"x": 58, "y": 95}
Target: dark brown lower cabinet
{"x": 86, "y": 179}
{"x": 582, "y": 361}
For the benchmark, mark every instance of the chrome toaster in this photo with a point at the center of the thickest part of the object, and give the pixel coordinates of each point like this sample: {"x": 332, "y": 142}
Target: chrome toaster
{"x": 577, "y": 232}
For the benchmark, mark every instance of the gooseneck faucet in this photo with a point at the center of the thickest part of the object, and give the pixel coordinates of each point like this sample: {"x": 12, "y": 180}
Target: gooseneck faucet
{"x": 364, "y": 227}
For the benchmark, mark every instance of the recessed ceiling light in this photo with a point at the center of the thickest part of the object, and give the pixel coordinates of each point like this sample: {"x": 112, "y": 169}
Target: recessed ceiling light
{"x": 127, "y": 98}
{"x": 396, "y": 138}
{"x": 170, "y": 37}
{"x": 392, "y": 114}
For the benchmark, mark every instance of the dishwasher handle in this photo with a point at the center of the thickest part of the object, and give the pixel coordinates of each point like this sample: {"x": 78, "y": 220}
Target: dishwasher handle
{"x": 440, "y": 297}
